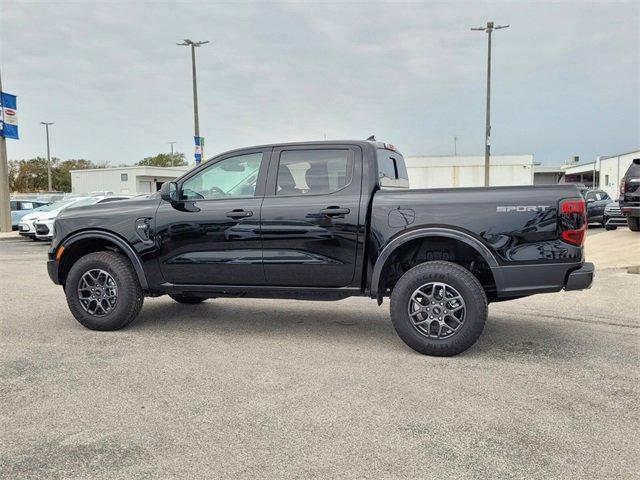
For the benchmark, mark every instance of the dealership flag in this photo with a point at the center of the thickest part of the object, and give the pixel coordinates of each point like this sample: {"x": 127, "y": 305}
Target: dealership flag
{"x": 199, "y": 147}
{"x": 9, "y": 117}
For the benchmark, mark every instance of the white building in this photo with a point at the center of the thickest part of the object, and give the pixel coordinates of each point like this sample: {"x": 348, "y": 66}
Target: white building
{"x": 605, "y": 173}
{"x": 128, "y": 180}
{"x": 468, "y": 171}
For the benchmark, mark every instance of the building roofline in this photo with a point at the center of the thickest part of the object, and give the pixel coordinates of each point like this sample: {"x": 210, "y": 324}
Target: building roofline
{"x": 132, "y": 167}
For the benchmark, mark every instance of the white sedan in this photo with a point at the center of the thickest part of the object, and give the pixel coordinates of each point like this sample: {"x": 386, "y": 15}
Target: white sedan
{"x": 27, "y": 227}
{"x": 44, "y": 223}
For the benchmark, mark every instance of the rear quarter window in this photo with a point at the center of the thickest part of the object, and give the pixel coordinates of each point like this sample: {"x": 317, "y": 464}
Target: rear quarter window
{"x": 392, "y": 171}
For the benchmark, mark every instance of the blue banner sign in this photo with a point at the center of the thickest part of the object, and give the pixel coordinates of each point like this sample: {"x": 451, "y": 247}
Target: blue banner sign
{"x": 8, "y": 116}
{"x": 199, "y": 141}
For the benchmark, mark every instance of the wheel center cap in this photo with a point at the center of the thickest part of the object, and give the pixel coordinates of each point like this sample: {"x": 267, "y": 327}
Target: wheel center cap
{"x": 436, "y": 310}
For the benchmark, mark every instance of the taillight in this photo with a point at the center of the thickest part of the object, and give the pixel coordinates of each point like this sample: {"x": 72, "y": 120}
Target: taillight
{"x": 623, "y": 185}
{"x": 573, "y": 221}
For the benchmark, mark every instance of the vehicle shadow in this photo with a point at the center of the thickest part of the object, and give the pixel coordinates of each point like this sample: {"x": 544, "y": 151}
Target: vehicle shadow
{"x": 503, "y": 336}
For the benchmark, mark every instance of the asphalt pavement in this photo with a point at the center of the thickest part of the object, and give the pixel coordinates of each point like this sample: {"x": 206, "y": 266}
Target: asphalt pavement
{"x": 245, "y": 388}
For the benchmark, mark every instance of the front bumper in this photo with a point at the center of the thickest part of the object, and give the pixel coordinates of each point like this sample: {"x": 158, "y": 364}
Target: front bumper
{"x": 53, "y": 265}
{"x": 582, "y": 278}
{"x": 44, "y": 230}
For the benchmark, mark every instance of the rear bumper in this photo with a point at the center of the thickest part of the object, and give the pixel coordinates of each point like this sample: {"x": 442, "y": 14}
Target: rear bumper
{"x": 630, "y": 211}
{"x": 516, "y": 281}
{"x": 581, "y": 278}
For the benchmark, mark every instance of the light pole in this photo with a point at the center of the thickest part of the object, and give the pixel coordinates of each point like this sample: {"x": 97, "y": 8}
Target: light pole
{"x": 46, "y": 126}
{"x": 487, "y": 146}
{"x": 5, "y": 206}
{"x": 455, "y": 145}
{"x": 171, "y": 143}
{"x": 193, "y": 45}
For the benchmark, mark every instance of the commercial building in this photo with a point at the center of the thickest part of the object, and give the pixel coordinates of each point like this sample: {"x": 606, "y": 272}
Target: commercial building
{"x": 468, "y": 171}
{"x": 128, "y": 180}
{"x": 604, "y": 173}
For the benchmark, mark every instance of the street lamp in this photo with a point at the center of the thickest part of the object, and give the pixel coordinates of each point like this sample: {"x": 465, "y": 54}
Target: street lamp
{"x": 193, "y": 45}
{"x": 46, "y": 126}
{"x": 487, "y": 146}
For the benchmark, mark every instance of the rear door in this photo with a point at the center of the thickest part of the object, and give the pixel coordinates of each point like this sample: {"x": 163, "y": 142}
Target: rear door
{"x": 212, "y": 236}
{"x": 310, "y": 212}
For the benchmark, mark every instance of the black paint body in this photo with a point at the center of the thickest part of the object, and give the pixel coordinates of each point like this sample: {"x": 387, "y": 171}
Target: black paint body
{"x": 287, "y": 247}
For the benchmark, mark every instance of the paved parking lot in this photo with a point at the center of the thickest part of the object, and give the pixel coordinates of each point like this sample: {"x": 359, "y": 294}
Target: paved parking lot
{"x": 281, "y": 389}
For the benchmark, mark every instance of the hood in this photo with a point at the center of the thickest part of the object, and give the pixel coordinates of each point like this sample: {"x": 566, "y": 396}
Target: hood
{"x": 33, "y": 215}
{"x": 118, "y": 216}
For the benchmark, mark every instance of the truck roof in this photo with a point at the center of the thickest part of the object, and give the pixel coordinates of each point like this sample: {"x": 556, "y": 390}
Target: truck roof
{"x": 375, "y": 144}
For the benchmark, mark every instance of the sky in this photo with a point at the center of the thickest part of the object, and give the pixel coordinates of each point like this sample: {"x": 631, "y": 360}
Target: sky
{"x": 565, "y": 76}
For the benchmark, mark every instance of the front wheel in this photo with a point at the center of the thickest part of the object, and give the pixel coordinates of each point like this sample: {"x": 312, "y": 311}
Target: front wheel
{"x": 634, "y": 224}
{"x": 103, "y": 291}
{"x": 438, "y": 308}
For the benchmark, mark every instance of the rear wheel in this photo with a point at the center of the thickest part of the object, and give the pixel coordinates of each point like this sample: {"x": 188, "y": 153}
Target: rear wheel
{"x": 438, "y": 308}
{"x": 103, "y": 291}
{"x": 634, "y": 224}
{"x": 187, "y": 299}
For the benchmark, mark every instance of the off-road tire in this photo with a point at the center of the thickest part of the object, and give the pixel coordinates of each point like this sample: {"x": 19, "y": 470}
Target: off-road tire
{"x": 130, "y": 296}
{"x": 457, "y": 277}
{"x": 188, "y": 299}
{"x": 634, "y": 223}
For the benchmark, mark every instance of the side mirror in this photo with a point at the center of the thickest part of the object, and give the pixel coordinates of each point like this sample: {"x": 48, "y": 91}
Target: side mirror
{"x": 591, "y": 200}
{"x": 169, "y": 192}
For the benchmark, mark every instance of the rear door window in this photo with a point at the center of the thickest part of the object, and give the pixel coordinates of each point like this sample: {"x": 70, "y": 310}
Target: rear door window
{"x": 313, "y": 172}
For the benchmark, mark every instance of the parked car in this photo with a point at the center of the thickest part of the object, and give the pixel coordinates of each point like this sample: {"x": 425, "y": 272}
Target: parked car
{"x": 613, "y": 217}
{"x": 44, "y": 224}
{"x": 19, "y": 208}
{"x": 596, "y": 200}
{"x": 324, "y": 220}
{"x": 27, "y": 227}
{"x": 630, "y": 195}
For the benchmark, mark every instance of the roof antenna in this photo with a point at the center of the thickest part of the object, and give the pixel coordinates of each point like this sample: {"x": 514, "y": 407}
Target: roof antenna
{"x": 371, "y": 138}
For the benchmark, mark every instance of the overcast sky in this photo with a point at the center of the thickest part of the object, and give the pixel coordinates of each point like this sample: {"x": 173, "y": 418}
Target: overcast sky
{"x": 566, "y": 76}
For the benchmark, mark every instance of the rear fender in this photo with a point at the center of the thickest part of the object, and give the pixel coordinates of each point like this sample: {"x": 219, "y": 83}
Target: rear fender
{"x": 403, "y": 238}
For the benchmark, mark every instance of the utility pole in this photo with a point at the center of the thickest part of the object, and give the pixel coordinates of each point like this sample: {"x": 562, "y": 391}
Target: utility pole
{"x": 5, "y": 207}
{"x": 171, "y": 143}
{"x": 455, "y": 145}
{"x": 46, "y": 126}
{"x": 487, "y": 147}
{"x": 193, "y": 45}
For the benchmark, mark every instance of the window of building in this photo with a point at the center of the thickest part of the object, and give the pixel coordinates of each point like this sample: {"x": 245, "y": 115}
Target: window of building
{"x": 313, "y": 172}
{"x": 124, "y": 177}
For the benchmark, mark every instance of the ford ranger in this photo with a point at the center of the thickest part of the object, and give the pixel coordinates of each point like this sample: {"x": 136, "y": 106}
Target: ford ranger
{"x": 324, "y": 221}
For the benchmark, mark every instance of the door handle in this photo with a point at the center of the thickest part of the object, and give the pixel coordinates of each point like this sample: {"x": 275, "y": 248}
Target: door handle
{"x": 239, "y": 213}
{"x": 334, "y": 211}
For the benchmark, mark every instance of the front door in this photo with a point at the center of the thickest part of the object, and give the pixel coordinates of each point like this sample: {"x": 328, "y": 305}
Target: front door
{"x": 212, "y": 236}
{"x": 310, "y": 216}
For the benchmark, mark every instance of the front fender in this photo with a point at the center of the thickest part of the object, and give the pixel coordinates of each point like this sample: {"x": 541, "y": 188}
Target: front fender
{"x": 120, "y": 242}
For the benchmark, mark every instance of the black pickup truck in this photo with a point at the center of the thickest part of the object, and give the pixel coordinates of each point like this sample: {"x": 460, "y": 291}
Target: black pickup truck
{"x": 324, "y": 221}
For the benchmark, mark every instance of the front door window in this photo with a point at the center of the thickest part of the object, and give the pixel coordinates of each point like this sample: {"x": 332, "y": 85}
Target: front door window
{"x": 233, "y": 177}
